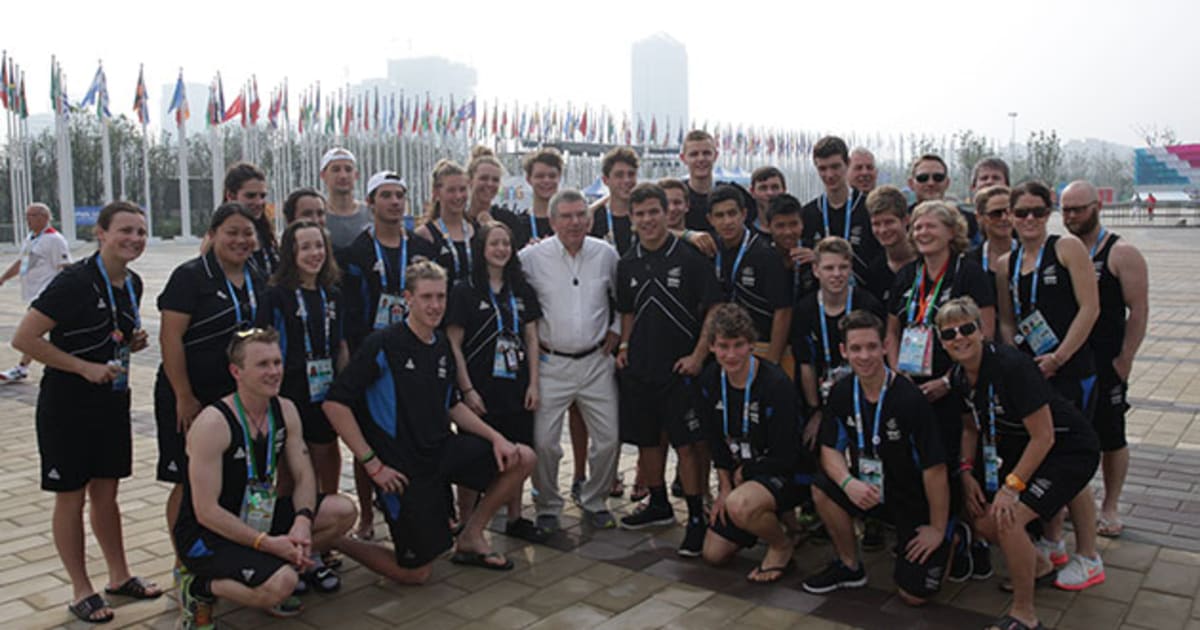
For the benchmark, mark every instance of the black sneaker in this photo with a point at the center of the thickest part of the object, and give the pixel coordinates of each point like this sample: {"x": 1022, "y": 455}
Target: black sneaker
{"x": 649, "y": 515}
{"x": 963, "y": 566}
{"x": 524, "y": 529}
{"x": 834, "y": 577}
{"x": 872, "y": 539}
{"x": 981, "y": 561}
{"x": 677, "y": 488}
{"x": 693, "y": 538}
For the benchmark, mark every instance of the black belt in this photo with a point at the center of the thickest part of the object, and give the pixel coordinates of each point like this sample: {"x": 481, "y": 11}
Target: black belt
{"x": 571, "y": 355}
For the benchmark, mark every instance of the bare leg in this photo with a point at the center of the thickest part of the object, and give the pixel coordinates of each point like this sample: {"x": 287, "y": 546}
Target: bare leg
{"x": 277, "y": 588}
{"x": 467, "y": 498}
{"x": 382, "y": 560}
{"x": 1115, "y": 465}
{"x": 717, "y": 549}
{"x": 366, "y": 510}
{"x": 334, "y": 519}
{"x": 327, "y": 462}
{"x": 652, "y": 460}
{"x": 1083, "y": 516}
{"x": 174, "y": 500}
{"x": 839, "y": 525}
{"x": 68, "y": 539}
{"x": 498, "y": 494}
{"x": 106, "y": 525}
{"x": 1022, "y": 561}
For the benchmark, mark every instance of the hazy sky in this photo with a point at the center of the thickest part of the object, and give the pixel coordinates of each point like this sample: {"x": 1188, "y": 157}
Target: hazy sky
{"x": 1087, "y": 69}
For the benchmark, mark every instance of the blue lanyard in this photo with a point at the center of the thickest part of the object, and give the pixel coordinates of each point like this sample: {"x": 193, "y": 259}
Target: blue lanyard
{"x": 237, "y": 305}
{"x": 453, "y": 249}
{"x": 112, "y": 302}
{"x": 1096, "y": 245}
{"x": 532, "y": 224}
{"x": 512, "y": 304}
{"x": 745, "y": 400}
{"x": 250, "y": 465}
{"x": 825, "y": 213}
{"x": 612, "y": 233}
{"x": 1012, "y": 245}
{"x": 737, "y": 261}
{"x": 991, "y": 414}
{"x": 825, "y": 326}
{"x": 887, "y": 376}
{"x": 401, "y": 264}
{"x": 302, "y": 311}
{"x": 1033, "y": 287}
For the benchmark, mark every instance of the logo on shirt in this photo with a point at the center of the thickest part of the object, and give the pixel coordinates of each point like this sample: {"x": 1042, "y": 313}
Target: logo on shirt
{"x": 674, "y": 277}
{"x": 53, "y": 474}
{"x": 101, "y": 305}
{"x": 720, "y": 406}
{"x": 1040, "y": 486}
{"x": 240, "y": 453}
{"x": 172, "y": 467}
{"x": 748, "y": 277}
{"x": 483, "y": 306}
{"x": 633, "y": 282}
{"x": 856, "y": 235}
{"x": 445, "y": 249}
{"x": 441, "y": 369}
{"x": 893, "y": 430}
{"x": 754, "y": 412}
{"x": 1099, "y": 265}
{"x": 1050, "y": 276}
{"x": 409, "y": 365}
{"x": 691, "y": 420}
{"x": 221, "y": 294}
{"x": 248, "y": 574}
{"x": 377, "y": 267}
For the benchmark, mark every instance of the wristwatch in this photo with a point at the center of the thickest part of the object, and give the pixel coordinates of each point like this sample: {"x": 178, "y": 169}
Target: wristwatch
{"x": 1014, "y": 482}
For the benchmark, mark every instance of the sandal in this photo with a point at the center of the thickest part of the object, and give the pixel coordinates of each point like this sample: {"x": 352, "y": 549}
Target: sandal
{"x": 1109, "y": 529}
{"x": 617, "y": 490}
{"x": 476, "y": 559}
{"x": 90, "y": 605}
{"x": 323, "y": 579}
{"x": 136, "y": 588}
{"x": 289, "y": 607}
{"x": 1044, "y": 580}
{"x": 1008, "y": 622}
{"x": 778, "y": 573}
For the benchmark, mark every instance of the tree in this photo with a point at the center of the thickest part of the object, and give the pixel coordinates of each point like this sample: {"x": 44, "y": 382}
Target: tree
{"x": 1155, "y": 136}
{"x": 1044, "y": 156}
{"x": 971, "y": 147}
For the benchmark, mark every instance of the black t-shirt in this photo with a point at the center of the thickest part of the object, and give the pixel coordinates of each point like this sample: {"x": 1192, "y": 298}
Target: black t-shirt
{"x": 78, "y": 302}
{"x": 909, "y": 441}
{"x": 668, "y": 291}
{"x": 621, "y": 235}
{"x": 773, "y": 417}
{"x": 808, "y": 345}
{"x": 963, "y": 277}
{"x": 697, "y": 214}
{"x": 880, "y": 278}
{"x": 454, "y": 256}
{"x": 199, "y": 289}
{"x": 1055, "y": 301}
{"x": 759, "y": 284}
{"x": 474, "y": 310}
{"x": 362, "y": 283}
{"x": 281, "y": 310}
{"x": 266, "y": 257}
{"x": 862, "y": 239}
{"x": 522, "y": 228}
{"x": 408, "y": 387}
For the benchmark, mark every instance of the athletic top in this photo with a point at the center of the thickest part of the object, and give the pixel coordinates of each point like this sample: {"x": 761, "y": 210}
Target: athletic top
{"x": 78, "y": 302}
{"x": 880, "y": 277}
{"x": 344, "y": 229}
{"x": 808, "y": 337}
{"x": 963, "y": 277}
{"x": 475, "y": 310}
{"x": 1108, "y": 334}
{"x": 750, "y": 275}
{"x": 773, "y": 420}
{"x": 524, "y": 226}
{"x": 234, "y": 471}
{"x": 861, "y": 238}
{"x": 697, "y": 213}
{"x": 408, "y": 387}
{"x": 362, "y": 283}
{"x": 199, "y": 289}
{"x": 1055, "y": 300}
{"x": 266, "y": 257}
{"x": 619, "y": 233}
{"x": 454, "y": 256}
{"x": 324, "y": 313}
{"x": 42, "y": 254}
{"x": 668, "y": 291}
{"x": 909, "y": 443}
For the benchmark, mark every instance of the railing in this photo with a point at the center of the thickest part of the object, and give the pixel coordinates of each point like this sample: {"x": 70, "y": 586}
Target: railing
{"x": 1166, "y": 214}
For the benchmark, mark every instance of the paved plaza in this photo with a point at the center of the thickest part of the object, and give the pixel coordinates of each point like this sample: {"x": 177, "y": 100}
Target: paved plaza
{"x": 621, "y": 579}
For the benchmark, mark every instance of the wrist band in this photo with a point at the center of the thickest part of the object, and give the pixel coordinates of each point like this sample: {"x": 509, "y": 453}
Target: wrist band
{"x": 468, "y": 391}
{"x": 307, "y": 512}
{"x": 258, "y": 540}
{"x": 686, "y": 234}
{"x": 624, "y": 345}
{"x": 845, "y": 481}
{"x": 366, "y": 457}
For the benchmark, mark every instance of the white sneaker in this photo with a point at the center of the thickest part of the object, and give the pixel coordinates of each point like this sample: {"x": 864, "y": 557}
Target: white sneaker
{"x": 1055, "y": 551}
{"x": 14, "y": 374}
{"x": 1080, "y": 573}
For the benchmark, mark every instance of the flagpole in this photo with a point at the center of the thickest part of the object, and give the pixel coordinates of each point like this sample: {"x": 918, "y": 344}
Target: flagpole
{"x": 185, "y": 197}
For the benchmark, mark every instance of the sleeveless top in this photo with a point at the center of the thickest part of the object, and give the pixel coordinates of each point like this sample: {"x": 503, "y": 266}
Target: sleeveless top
{"x": 1109, "y": 332}
{"x": 1056, "y": 301}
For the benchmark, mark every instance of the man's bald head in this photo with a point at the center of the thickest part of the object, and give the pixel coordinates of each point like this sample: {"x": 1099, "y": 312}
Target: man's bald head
{"x": 1078, "y": 192}
{"x": 1080, "y": 208}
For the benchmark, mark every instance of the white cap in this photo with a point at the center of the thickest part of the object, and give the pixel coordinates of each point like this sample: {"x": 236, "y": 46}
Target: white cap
{"x": 335, "y": 154}
{"x": 385, "y": 177}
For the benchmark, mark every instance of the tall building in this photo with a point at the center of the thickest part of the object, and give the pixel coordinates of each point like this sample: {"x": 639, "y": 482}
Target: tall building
{"x": 660, "y": 82}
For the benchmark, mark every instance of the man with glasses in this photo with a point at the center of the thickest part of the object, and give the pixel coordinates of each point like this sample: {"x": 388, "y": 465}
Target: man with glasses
{"x": 929, "y": 178}
{"x": 1116, "y": 336}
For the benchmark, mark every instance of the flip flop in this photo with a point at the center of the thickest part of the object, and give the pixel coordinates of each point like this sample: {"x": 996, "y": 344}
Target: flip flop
{"x": 1109, "y": 529}
{"x": 476, "y": 559}
{"x": 1008, "y": 622}
{"x": 86, "y": 607}
{"x": 136, "y": 588}
{"x": 779, "y": 571}
{"x": 1042, "y": 581}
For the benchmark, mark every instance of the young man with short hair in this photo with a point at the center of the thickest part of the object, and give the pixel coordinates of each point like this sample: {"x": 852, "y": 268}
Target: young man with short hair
{"x": 611, "y": 221}
{"x": 543, "y": 171}
{"x": 766, "y": 183}
{"x": 699, "y": 153}
{"x": 879, "y": 422}
{"x": 406, "y": 375}
{"x": 785, "y": 221}
{"x": 839, "y": 211}
{"x": 888, "y": 209}
{"x": 347, "y": 217}
{"x": 677, "y": 203}
{"x": 990, "y": 171}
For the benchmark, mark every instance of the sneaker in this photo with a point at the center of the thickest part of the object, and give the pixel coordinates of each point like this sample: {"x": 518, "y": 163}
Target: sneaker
{"x": 576, "y": 492}
{"x": 600, "y": 520}
{"x": 693, "y": 538}
{"x": 289, "y": 607}
{"x": 981, "y": 561}
{"x": 197, "y": 612}
{"x": 1080, "y": 573}
{"x": 548, "y": 523}
{"x": 834, "y": 577}
{"x": 524, "y": 529}
{"x": 677, "y": 488}
{"x": 321, "y": 578}
{"x": 1056, "y": 551}
{"x": 14, "y": 374}
{"x": 649, "y": 515}
{"x": 872, "y": 539}
{"x": 963, "y": 566}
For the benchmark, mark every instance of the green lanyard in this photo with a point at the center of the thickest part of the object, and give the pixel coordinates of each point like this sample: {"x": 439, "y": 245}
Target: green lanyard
{"x": 251, "y": 467}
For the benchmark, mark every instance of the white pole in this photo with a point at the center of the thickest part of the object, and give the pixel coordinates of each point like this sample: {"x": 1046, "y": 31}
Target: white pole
{"x": 106, "y": 159}
{"x": 218, "y": 165}
{"x": 66, "y": 187}
{"x": 185, "y": 197}
{"x": 14, "y": 195}
{"x": 146, "y": 180}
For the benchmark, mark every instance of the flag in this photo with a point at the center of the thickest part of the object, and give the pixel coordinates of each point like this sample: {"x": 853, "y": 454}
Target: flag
{"x": 273, "y": 109}
{"x": 141, "y": 104}
{"x": 255, "y": 104}
{"x": 58, "y": 91}
{"x": 653, "y": 129}
{"x": 4, "y": 79}
{"x": 583, "y": 124}
{"x": 24, "y": 109}
{"x": 97, "y": 93}
{"x": 495, "y": 111}
{"x": 237, "y": 107}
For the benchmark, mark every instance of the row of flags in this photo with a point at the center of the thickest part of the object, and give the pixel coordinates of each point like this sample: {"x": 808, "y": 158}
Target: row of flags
{"x": 12, "y": 87}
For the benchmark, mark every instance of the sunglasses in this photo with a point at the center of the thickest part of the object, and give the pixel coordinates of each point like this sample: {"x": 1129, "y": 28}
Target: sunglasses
{"x": 966, "y": 330}
{"x": 1039, "y": 212}
{"x": 1077, "y": 209}
{"x": 924, "y": 177}
{"x": 996, "y": 215}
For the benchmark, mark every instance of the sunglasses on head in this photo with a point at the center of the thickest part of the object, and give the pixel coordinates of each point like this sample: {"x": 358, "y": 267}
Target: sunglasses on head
{"x": 924, "y": 177}
{"x": 966, "y": 330}
{"x": 1039, "y": 212}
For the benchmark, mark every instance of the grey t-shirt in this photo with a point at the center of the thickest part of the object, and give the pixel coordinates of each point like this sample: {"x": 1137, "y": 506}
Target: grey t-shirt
{"x": 343, "y": 229}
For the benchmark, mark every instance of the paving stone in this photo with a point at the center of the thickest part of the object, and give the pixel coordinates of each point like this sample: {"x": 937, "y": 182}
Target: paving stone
{"x": 434, "y": 620}
{"x": 1175, "y": 579}
{"x": 1130, "y": 555}
{"x": 558, "y": 595}
{"x": 626, "y": 593}
{"x": 652, "y": 613}
{"x": 573, "y": 617}
{"x": 714, "y": 613}
{"x": 1119, "y": 585}
{"x": 1157, "y": 610}
{"x": 767, "y": 617}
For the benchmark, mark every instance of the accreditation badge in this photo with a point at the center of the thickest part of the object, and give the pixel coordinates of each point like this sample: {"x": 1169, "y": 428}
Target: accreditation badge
{"x": 506, "y": 362}
{"x": 320, "y": 377}
{"x": 870, "y": 470}
{"x": 1037, "y": 334}
{"x": 391, "y": 310}
{"x": 258, "y": 505}
{"x": 991, "y": 468}
{"x": 120, "y": 358}
{"x": 916, "y": 351}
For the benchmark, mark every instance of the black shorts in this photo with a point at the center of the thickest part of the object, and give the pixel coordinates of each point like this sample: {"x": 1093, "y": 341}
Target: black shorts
{"x": 314, "y": 424}
{"x": 418, "y": 519}
{"x": 1080, "y": 390}
{"x": 516, "y": 427}
{"x": 1111, "y": 405}
{"x": 211, "y": 556}
{"x": 839, "y": 496}
{"x": 652, "y": 408}
{"x": 83, "y": 432}
{"x": 787, "y": 496}
{"x": 1058, "y": 480}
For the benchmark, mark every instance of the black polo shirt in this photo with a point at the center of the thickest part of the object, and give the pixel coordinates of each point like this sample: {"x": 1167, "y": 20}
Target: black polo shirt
{"x": 808, "y": 345}
{"x": 281, "y": 311}
{"x": 362, "y": 283}
{"x": 620, "y": 236}
{"x": 522, "y": 228}
{"x": 880, "y": 278}
{"x": 668, "y": 291}
{"x": 761, "y": 285}
{"x": 697, "y": 214}
{"x": 472, "y": 309}
{"x": 862, "y": 239}
{"x": 774, "y": 420}
{"x": 406, "y": 387}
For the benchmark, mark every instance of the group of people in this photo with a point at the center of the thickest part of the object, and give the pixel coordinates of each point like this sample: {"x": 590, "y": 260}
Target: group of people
{"x": 956, "y": 373}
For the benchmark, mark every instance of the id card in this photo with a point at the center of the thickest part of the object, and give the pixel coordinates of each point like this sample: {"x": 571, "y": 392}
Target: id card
{"x": 120, "y": 382}
{"x": 391, "y": 310}
{"x": 831, "y": 377}
{"x": 740, "y": 450}
{"x": 507, "y": 360}
{"x": 916, "y": 351}
{"x": 870, "y": 471}
{"x": 258, "y": 505}
{"x": 1037, "y": 334}
{"x": 991, "y": 468}
{"x": 320, "y": 377}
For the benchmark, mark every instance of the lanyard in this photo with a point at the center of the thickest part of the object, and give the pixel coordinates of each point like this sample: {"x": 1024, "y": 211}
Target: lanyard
{"x": 401, "y": 263}
{"x": 825, "y": 213}
{"x": 612, "y": 233}
{"x": 1099, "y": 239}
{"x": 251, "y": 467}
{"x": 1012, "y": 245}
{"x": 512, "y": 304}
{"x": 112, "y": 302}
{"x": 737, "y": 261}
{"x": 825, "y": 326}
{"x": 745, "y": 400}
{"x": 1033, "y": 287}
{"x": 887, "y": 376}
{"x": 925, "y": 299}
{"x": 453, "y": 248}
{"x": 302, "y": 311}
{"x": 237, "y": 305}
{"x": 991, "y": 414}
{"x": 533, "y": 224}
